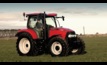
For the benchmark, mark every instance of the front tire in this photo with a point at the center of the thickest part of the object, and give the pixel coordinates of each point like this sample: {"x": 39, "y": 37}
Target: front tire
{"x": 58, "y": 47}
{"x": 80, "y": 48}
{"x": 26, "y": 46}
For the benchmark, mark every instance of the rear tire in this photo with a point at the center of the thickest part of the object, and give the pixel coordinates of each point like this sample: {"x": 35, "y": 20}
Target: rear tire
{"x": 81, "y": 47}
{"x": 58, "y": 47}
{"x": 26, "y": 46}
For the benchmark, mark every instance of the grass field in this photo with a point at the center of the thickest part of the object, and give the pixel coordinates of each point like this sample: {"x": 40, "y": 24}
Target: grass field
{"x": 96, "y": 48}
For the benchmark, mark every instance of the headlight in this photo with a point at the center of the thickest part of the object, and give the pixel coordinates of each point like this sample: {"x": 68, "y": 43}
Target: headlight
{"x": 71, "y": 35}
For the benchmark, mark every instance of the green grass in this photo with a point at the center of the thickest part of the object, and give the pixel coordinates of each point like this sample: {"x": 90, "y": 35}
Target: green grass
{"x": 96, "y": 48}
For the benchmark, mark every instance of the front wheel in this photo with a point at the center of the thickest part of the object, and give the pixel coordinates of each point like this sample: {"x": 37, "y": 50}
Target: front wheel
{"x": 80, "y": 49}
{"x": 58, "y": 47}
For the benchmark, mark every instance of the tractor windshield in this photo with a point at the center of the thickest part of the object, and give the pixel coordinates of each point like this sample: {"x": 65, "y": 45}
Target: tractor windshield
{"x": 58, "y": 20}
{"x": 53, "y": 21}
{"x": 50, "y": 21}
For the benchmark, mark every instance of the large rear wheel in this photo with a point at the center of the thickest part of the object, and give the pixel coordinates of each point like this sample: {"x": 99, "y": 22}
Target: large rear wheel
{"x": 25, "y": 45}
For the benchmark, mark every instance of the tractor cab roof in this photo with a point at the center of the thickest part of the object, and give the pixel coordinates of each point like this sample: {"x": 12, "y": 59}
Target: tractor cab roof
{"x": 34, "y": 14}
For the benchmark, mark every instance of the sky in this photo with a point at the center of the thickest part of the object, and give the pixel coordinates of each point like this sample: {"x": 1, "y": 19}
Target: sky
{"x": 91, "y": 16}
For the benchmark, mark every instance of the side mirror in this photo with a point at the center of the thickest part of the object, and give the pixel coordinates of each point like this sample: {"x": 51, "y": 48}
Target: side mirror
{"x": 63, "y": 18}
{"x": 24, "y": 14}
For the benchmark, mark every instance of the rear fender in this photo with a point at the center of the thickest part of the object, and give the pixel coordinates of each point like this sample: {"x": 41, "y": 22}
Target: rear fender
{"x": 29, "y": 31}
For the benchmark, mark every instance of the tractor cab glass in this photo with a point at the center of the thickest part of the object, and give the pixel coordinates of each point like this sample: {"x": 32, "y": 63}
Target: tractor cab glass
{"x": 36, "y": 24}
{"x": 50, "y": 21}
{"x": 32, "y": 22}
{"x": 53, "y": 22}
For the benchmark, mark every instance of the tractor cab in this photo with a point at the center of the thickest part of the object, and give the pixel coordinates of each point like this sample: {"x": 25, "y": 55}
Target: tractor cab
{"x": 41, "y": 23}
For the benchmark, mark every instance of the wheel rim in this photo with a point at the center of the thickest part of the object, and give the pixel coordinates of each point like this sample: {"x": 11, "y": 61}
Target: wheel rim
{"x": 74, "y": 50}
{"x": 24, "y": 45}
{"x": 56, "y": 48}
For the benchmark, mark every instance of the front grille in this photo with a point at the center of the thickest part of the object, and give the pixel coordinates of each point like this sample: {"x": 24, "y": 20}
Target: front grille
{"x": 71, "y": 32}
{"x": 72, "y": 39}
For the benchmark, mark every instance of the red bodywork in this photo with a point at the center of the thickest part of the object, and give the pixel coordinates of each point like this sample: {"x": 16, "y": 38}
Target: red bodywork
{"x": 30, "y": 31}
{"x": 52, "y": 32}
{"x": 59, "y": 31}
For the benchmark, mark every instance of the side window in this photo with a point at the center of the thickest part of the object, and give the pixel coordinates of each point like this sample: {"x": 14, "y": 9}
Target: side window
{"x": 39, "y": 24}
{"x": 32, "y": 22}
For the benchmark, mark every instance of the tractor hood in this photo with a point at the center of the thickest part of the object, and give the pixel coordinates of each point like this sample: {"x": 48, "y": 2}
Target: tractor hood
{"x": 59, "y": 31}
{"x": 65, "y": 29}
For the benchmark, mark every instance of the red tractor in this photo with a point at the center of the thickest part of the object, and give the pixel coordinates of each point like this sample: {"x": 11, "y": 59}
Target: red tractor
{"x": 43, "y": 35}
